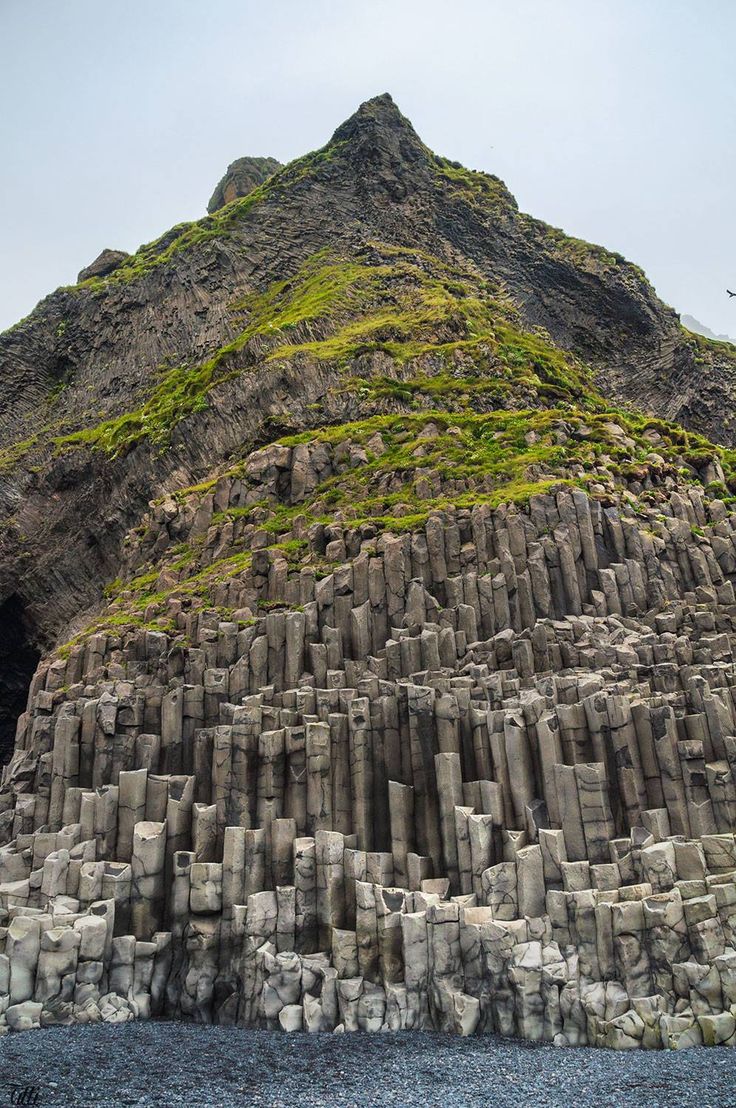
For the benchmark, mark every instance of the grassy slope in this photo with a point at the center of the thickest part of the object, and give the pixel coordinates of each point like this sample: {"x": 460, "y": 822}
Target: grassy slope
{"x": 493, "y": 458}
{"x": 495, "y": 412}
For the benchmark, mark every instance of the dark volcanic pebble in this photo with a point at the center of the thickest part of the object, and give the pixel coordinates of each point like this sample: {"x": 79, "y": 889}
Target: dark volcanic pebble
{"x": 168, "y": 1065}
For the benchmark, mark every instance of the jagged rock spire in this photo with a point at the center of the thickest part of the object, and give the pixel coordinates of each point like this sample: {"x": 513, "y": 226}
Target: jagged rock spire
{"x": 380, "y": 144}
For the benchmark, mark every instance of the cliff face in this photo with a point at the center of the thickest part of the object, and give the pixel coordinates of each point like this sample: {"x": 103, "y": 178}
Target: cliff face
{"x": 388, "y": 664}
{"x": 133, "y": 344}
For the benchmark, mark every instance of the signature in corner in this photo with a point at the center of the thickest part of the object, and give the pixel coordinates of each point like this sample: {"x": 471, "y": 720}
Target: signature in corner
{"x": 27, "y": 1095}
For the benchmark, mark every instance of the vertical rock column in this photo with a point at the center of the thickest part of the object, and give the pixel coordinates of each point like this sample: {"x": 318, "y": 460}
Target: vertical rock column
{"x": 330, "y": 846}
{"x": 401, "y": 811}
{"x": 65, "y": 765}
{"x": 319, "y": 783}
{"x": 450, "y": 792}
{"x": 147, "y": 890}
{"x": 361, "y": 771}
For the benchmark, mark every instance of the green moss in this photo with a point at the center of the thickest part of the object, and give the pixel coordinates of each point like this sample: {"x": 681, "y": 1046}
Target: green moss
{"x": 183, "y": 389}
{"x": 442, "y": 385}
{"x": 202, "y": 488}
{"x": 404, "y": 303}
{"x": 276, "y": 605}
{"x": 501, "y": 456}
{"x": 709, "y": 350}
{"x": 181, "y": 392}
{"x": 476, "y": 187}
{"x": 139, "y": 604}
{"x": 291, "y": 548}
{"x": 414, "y": 307}
{"x": 12, "y": 455}
{"x": 425, "y": 463}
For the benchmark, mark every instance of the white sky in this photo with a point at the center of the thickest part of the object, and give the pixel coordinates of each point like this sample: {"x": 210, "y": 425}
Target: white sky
{"x": 613, "y": 119}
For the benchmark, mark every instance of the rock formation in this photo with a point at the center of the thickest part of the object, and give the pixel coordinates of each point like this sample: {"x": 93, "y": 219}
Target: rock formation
{"x": 103, "y": 265}
{"x": 242, "y": 177}
{"x": 389, "y": 675}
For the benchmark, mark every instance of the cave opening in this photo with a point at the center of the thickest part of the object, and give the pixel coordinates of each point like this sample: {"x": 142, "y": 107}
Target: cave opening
{"x": 18, "y": 660}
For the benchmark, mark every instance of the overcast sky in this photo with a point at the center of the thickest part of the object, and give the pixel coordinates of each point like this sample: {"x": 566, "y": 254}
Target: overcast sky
{"x": 613, "y": 119}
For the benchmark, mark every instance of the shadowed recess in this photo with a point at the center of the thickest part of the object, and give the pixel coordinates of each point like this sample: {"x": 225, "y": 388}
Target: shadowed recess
{"x": 18, "y": 660}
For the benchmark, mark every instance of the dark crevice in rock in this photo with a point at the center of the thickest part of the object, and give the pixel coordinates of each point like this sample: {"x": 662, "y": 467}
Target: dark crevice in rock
{"x": 18, "y": 660}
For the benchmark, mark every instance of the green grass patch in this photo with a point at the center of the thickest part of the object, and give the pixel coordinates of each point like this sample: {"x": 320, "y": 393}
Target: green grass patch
{"x": 402, "y": 302}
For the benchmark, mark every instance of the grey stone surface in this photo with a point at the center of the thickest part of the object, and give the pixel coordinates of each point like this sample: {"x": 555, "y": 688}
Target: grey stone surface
{"x": 467, "y": 847}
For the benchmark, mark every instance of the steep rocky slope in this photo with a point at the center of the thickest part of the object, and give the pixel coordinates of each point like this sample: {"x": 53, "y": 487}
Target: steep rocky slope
{"x": 175, "y": 346}
{"x": 388, "y": 651}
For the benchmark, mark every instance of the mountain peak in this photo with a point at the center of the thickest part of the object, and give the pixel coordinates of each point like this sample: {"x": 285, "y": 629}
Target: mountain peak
{"x": 381, "y": 143}
{"x": 375, "y": 116}
{"x": 382, "y": 109}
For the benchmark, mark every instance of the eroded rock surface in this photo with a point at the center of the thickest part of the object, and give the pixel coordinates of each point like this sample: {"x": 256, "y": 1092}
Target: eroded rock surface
{"x": 103, "y": 265}
{"x": 242, "y": 177}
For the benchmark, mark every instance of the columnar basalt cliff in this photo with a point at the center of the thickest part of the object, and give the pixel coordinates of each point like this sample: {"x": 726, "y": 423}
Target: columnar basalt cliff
{"x": 388, "y": 675}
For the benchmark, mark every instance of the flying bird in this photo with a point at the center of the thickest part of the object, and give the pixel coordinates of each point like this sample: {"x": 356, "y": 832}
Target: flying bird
{"x": 730, "y": 293}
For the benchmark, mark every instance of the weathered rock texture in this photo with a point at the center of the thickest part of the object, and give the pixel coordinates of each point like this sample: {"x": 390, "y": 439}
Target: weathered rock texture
{"x": 103, "y": 265}
{"x": 242, "y": 177}
{"x": 476, "y": 777}
{"x": 424, "y": 720}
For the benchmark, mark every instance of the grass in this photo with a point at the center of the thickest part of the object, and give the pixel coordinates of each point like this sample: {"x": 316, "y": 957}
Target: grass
{"x": 219, "y": 224}
{"x": 492, "y": 445}
{"x": 457, "y": 391}
{"x": 138, "y": 605}
{"x": 478, "y": 188}
{"x": 427, "y": 462}
{"x": 183, "y": 390}
{"x": 707, "y": 351}
{"x": 499, "y": 457}
{"x": 415, "y": 308}
{"x": 404, "y": 303}
{"x": 11, "y": 455}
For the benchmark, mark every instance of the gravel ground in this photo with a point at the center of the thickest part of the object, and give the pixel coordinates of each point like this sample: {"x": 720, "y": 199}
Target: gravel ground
{"x": 167, "y": 1065}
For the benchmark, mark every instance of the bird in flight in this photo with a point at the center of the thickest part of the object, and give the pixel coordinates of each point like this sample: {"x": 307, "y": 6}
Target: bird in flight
{"x": 730, "y": 293}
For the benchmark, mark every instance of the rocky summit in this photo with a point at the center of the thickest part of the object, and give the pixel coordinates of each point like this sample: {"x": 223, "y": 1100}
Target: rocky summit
{"x": 368, "y": 623}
